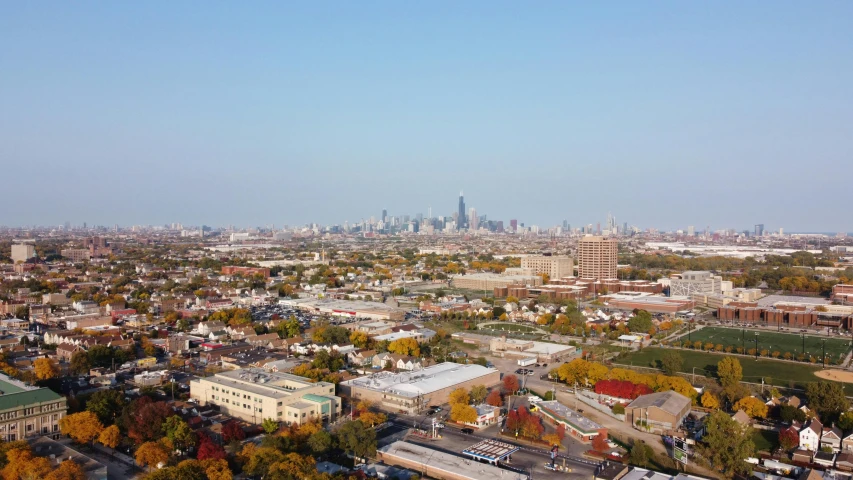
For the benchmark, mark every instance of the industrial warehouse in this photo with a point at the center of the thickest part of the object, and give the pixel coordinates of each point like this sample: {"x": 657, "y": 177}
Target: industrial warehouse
{"x": 410, "y": 392}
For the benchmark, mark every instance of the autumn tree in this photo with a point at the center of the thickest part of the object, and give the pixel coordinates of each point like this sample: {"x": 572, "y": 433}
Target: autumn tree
{"x": 463, "y": 413}
{"x": 178, "y": 432}
{"x": 510, "y": 384}
{"x": 729, "y": 371}
{"x": 599, "y": 443}
{"x": 208, "y": 449}
{"x": 67, "y": 470}
{"x": 359, "y": 339}
{"x": 405, "y": 346}
{"x": 21, "y": 464}
{"x": 788, "y": 439}
{"x": 45, "y": 369}
{"x": 494, "y": 399}
{"x": 709, "y": 400}
{"x": 143, "y": 419}
{"x": 83, "y": 427}
{"x": 459, "y": 397}
{"x": 232, "y": 431}
{"x": 110, "y": 437}
{"x": 151, "y": 454}
{"x": 751, "y": 406}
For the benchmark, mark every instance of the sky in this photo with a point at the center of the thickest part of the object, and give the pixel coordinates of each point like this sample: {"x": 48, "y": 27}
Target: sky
{"x": 667, "y": 114}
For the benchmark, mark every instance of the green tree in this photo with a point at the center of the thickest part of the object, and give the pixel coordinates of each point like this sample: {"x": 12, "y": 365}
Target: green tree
{"x": 827, "y": 399}
{"x": 641, "y": 322}
{"x": 478, "y": 394}
{"x": 270, "y": 426}
{"x": 640, "y": 454}
{"x": 729, "y": 371}
{"x": 356, "y": 439}
{"x": 107, "y": 405}
{"x": 320, "y": 442}
{"x": 727, "y": 444}
{"x": 672, "y": 362}
{"x": 178, "y": 432}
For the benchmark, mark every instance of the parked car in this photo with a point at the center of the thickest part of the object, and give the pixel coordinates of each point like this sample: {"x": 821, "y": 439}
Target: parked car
{"x": 468, "y": 431}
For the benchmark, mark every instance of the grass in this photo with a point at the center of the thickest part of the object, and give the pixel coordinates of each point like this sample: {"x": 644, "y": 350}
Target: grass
{"x": 772, "y": 341}
{"x": 784, "y": 374}
{"x": 764, "y": 440}
{"x": 509, "y": 327}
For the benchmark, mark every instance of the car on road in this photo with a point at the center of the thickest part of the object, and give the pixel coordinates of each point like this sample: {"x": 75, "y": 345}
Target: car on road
{"x": 468, "y": 431}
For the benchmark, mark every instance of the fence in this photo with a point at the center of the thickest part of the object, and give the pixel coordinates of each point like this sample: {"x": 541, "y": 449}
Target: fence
{"x": 590, "y": 400}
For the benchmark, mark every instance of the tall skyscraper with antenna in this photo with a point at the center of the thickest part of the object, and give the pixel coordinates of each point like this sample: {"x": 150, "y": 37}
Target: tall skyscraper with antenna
{"x": 461, "y": 222}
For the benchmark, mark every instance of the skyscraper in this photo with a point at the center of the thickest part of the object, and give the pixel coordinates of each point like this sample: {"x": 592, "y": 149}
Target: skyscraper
{"x": 384, "y": 215}
{"x": 759, "y": 229}
{"x": 460, "y": 219}
{"x": 513, "y": 225}
{"x": 473, "y": 220}
{"x": 597, "y": 257}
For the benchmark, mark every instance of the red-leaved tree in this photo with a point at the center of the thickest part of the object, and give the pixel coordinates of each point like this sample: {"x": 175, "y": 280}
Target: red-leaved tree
{"x": 494, "y": 398}
{"x": 208, "y": 449}
{"x": 599, "y": 443}
{"x": 788, "y": 439}
{"x": 510, "y": 383}
{"x": 232, "y": 431}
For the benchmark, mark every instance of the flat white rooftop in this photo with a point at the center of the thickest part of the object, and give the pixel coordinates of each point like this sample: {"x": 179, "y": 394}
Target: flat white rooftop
{"x": 420, "y": 382}
{"x": 444, "y": 462}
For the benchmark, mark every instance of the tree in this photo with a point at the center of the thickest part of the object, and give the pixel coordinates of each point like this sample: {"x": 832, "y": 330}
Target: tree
{"x": 110, "y": 437}
{"x": 789, "y": 413}
{"x": 178, "y": 432}
{"x": 494, "y": 399}
{"x": 552, "y": 439}
{"x": 599, "y": 443}
{"x": 729, "y": 372}
{"x": 510, "y": 384}
{"x": 459, "y": 397}
{"x": 356, "y": 439}
{"x": 709, "y": 400}
{"x": 320, "y": 442}
{"x": 672, "y": 362}
{"x": 208, "y": 449}
{"x": 478, "y": 394}
{"x": 80, "y": 363}
{"x": 45, "y": 369}
{"x": 270, "y": 426}
{"x": 106, "y": 404}
{"x": 751, "y": 406}
{"x": 151, "y": 454}
{"x": 640, "y": 454}
{"x": 641, "y": 322}
{"x": 21, "y": 464}
{"x": 827, "y": 399}
{"x": 463, "y": 413}
{"x": 788, "y": 439}
{"x": 68, "y": 470}
{"x": 83, "y": 427}
{"x": 232, "y": 431}
{"x": 727, "y": 444}
{"x": 845, "y": 421}
{"x": 144, "y": 418}
{"x": 359, "y": 339}
{"x": 405, "y": 346}
{"x": 217, "y": 469}
{"x": 371, "y": 419}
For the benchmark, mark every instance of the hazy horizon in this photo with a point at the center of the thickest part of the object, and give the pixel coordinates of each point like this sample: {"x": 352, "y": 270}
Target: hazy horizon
{"x": 666, "y": 114}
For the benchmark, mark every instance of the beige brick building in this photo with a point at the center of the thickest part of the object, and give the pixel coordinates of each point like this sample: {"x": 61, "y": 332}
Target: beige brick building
{"x": 597, "y": 257}
{"x": 28, "y": 412}
{"x": 255, "y": 394}
{"x": 558, "y": 266}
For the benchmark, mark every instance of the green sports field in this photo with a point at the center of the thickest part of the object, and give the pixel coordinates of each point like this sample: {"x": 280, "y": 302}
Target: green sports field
{"x": 772, "y": 341}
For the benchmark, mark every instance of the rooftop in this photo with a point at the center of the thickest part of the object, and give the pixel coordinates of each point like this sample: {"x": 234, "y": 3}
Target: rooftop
{"x": 559, "y": 411}
{"x": 670, "y": 402}
{"x": 459, "y": 467}
{"x": 262, "y": 382}
{"x": 420, "y": 382}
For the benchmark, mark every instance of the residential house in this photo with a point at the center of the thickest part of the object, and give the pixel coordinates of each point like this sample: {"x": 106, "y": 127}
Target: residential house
{"x": 847, "y": 443}
{"x": 205, "y": 328}
{"x": 824, "y": 459}
{"x": 239, "y": 333}
{"x": 844, "y": 461}
{"x": 65, "y": 351}
{"x": 262, "y": 340}
{"x": 398, "y": 362}
{"x": 361, "y": 357}
{"x": 742, "y": 418}
{"x": 217, "y": 335}
{"x": 810, "y": 435}
{"x": 831, "y": 437}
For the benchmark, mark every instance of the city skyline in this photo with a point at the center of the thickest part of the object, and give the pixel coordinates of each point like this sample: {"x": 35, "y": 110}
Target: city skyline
{"x": 670, "y": 114}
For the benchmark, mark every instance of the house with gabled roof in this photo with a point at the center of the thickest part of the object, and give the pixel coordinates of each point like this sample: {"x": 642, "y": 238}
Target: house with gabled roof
{"x": 810, "y": 435}
{"x": 831, "y": 437}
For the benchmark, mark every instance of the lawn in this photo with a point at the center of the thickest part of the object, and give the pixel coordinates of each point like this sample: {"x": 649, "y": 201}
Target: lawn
{"x": 765, "y": 440}
{"x": 781, "y": 373}
{"x": 508, "y": 327}
{"x": 772, "y": 341}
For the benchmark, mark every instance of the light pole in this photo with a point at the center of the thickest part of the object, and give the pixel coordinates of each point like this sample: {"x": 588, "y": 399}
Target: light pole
{"x": 756, "y": 344}
{"x": 823, "y": 355}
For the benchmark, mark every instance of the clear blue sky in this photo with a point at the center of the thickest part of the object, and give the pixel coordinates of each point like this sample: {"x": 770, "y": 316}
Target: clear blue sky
{"x": 667, "y": 114}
